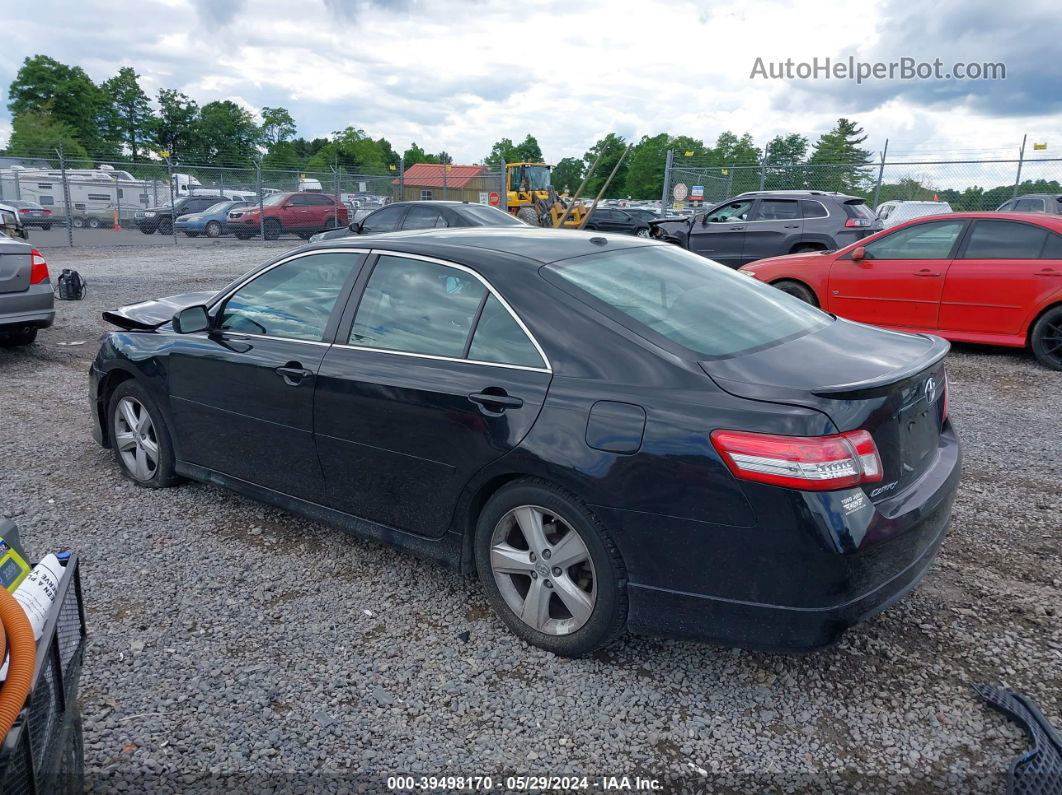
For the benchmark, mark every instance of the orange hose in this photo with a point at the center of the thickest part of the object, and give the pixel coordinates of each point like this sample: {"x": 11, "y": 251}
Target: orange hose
{"x": 23, "y": 648}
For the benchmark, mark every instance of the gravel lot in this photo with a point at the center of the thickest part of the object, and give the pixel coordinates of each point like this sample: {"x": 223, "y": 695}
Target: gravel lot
{"x": 229, "y": 639}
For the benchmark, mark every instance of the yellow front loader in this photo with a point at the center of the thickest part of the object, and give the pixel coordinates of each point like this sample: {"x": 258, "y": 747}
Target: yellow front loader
{"x": 532, "y": 198}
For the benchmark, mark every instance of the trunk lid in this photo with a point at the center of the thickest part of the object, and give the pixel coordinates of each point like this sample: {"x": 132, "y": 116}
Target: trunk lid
{"x": 890, "y": 384}
{"x": 148, "y": 315}
{"x": 15, "y": 266}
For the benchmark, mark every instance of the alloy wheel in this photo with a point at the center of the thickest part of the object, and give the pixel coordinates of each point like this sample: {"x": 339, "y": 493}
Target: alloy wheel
{"x": 1051, "y": 341}
{"x": 543, "y": 570}
{"x": 136, "y": 439}
{"x": 642, "y": 233}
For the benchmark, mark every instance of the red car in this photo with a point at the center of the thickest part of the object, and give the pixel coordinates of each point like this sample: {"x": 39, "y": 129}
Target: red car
{"x": 305, "y": 213}
{"x": 988, "y": 278}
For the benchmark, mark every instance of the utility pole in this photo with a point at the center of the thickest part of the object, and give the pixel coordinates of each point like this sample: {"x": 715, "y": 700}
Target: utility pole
{"x": 881, "y": 174}
{"x": 66, "y": 199}
{"x": 1021, "y": 159}
{"x": 668, "y": 163}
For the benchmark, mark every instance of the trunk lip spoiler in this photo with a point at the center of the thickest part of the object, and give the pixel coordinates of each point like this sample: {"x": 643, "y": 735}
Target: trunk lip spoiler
{"x": 937, "y": 352}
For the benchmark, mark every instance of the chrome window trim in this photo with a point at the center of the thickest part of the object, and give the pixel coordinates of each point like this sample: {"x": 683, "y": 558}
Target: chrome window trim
{"x": 438, "y": 358}
{"x": 490, "y": 289}
{"x": 219, "y": 301}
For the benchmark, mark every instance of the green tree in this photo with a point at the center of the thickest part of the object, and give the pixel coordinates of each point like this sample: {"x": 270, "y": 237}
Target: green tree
{"x": 277, "y": 126}
{"x": 307, "y": 149}
{"x": 228, "y": 134}
{"x": 36, "y": 133}
{"x": 176, "y": 129}
{"x": 528, "y": 150}
{"x": 353, "y": 151}
{"x": 66, "y": 93}
{"x": 567, "y": 175}
{"x": 444, "y": 157}
{"x": 128, "y": 112}
{"x": 415, "y": 155}
{"x": 645, "y": 167}
{"x": 282, "y": 156}
{"x": 611, "y": 149}
{"x": 503, "y": 151}
{"x": 785, "y": 159}
{"x": 841, "y": 162}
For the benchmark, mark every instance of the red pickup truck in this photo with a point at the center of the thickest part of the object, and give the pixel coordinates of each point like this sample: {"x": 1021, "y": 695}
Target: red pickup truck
{"x": 303, "y": 214}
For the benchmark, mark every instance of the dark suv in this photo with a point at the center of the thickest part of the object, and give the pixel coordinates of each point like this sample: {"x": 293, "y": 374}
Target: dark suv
{"x": 752, "y": 226}
{"x": 160, "y": 219}
{"x": 1050, "y": 203}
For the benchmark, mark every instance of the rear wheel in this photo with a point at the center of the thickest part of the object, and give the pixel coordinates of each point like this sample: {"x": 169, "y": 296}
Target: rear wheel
{"x": 78, "y": 222}
{"x": 272, "y": 229}
{"x": 798, "y": 290}
{"x": 94, "y": 223}
{"x": 528, "y": 215}
{"x": 140, "y": 437}
{"x": 166, "y": 226}
{"x": 147, "y": 230}
{"x": 1046, "y": 338}
{"x": 24, "y": 337}
{"x": 550, "y": 569}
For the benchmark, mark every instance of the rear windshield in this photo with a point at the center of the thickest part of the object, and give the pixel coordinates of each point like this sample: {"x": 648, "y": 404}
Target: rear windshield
{"x": 687, "y": 299}
{"x": 857, "y": 208}
{"x": 490, "y": 216}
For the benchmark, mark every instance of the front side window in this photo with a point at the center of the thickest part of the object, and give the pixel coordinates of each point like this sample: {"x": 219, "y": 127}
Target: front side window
{"x": 777, "y": 210}
{"x": 735, "y": 211}
{"x": 682, "y": 297}
{"x": 499, "y": 338}
{"x": 1005, "y": 240}
{"x": 293, "y": 300}
{"x": 417, "y": 307}
{"x": 924, "y": 241}
{"x": 385, "y": 220}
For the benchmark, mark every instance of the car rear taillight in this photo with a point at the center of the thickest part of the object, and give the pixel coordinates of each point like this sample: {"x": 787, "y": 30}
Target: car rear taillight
{"x": 858, "y": 223}
{"x": 808, "y": 463}
{"x": 38, "y": 268}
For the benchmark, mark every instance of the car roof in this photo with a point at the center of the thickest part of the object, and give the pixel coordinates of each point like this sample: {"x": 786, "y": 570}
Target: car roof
{"x": 1053, "y": 222}
{"x": 536, "y": 246}
{"x": 798, "y": 193}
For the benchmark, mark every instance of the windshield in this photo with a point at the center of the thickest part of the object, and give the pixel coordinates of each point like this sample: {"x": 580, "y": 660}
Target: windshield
{"x": 489, "y": 216}
{"x": 274, "y": 200}
{"x": 692, "y": 301}
{"x": 530, "y": 178}
{"x": 219, "y": 207}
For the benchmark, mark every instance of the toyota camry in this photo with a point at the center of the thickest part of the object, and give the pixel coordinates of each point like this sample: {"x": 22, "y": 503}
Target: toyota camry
{"x": 614, "y": 433}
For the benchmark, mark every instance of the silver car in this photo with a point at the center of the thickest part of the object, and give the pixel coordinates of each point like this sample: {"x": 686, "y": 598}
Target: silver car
{"x": 26, "y": 300}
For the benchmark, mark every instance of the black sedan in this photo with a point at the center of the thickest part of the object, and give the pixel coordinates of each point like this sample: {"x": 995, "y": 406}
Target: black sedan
{"x": 610, "y": 219}
{"x": 404, "y": 216}
{"x": 613, "y": 432}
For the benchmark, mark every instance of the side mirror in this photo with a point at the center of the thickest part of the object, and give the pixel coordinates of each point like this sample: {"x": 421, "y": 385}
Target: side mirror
{"x": 858, "y": 254}
{"x": 191, "y": 319}
{"x": 355, "y": 227}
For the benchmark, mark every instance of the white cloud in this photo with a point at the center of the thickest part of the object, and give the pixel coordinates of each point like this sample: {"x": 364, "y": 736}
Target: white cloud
{"x": 460, "y": 74}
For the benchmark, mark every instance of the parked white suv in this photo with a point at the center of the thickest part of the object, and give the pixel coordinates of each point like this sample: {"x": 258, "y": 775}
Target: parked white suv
{"x": 896, "y": 211}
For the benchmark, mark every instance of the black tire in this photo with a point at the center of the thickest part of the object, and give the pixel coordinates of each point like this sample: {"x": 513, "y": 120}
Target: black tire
{"x": 609, "y": 614}
{"x": 163, "y": 475}
{"x": 166, "y": 226}
{"x": 18, "y": 338}
{"x": 191, "y": 234}
{"x": 798, "y": 290}
{"x": 1046, "y": 338}
{"x": 213, "y": 229}
{"x": 94, "y": 223}
{"x": 272, "y": 229}
{"x": 528, "y": 215}
{"x": 306, "y": 235}
{"x": 804, "y": 248}
{"x": 46, "y": 227}
{"x": 147, "y": 230}
{"x": 77, "y": 222}
{"x": 642, "y": 232}
{"x": 243, "y": 236}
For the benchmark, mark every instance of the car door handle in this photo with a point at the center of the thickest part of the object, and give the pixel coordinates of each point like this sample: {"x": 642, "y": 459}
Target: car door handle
{"x": 1049, "y": 272}
{"x": 496, "y": 401}
{"x": 736, "y": 228}
{"x": 293, "y": 373}
{"x": 927, "y": 272}
{"x": 792, "y": 226}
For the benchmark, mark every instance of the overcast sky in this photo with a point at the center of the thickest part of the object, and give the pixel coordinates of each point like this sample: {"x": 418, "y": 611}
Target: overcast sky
{"x": 459, "y": 74}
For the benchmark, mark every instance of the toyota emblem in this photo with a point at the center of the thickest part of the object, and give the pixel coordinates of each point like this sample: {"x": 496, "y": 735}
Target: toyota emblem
{"x": 931, "y": 391}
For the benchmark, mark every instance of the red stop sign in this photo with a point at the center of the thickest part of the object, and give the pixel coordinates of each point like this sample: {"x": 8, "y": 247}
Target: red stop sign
{"x": 494, "y": 199}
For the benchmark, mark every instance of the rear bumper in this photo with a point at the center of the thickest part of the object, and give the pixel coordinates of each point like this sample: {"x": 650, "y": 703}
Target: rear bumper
{"x": 812, "y": 566}
{"x": 32, "y": 308}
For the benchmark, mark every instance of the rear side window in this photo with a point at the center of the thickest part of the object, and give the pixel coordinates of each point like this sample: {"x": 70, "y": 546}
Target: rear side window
{"x": 418, "y": 307}
{"x": 777, "y": 210}
{"x": 1053, "y": 249}
{"x": 662, "y": 291}
{"x": 499, "y": 338}
{"x": 422, "y": 218}
{"x": 1005, "y": 240}
{"x": 1030, "y": 206}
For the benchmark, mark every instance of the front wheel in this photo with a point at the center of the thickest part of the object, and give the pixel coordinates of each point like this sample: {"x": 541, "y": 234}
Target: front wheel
{"x": 140, "y": 437}
{"x": 213, "y": 229}
{"x": 550, "y": 569}
{"x": 147, "y": 230}
{"x": 94, "y": 223}
{"x": 1046, "y": 339}
{"x": 272, "y": 229}
{"x": 797, "y": 290}
{"x": 78, "y": 222}
{"x": 642, "y": 233}
{"x": 528, "y": 215}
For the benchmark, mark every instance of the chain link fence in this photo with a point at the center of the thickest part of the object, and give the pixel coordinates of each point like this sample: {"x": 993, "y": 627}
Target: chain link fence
{"x": 71, "y": 201}
{"x": 969, "y": 185}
